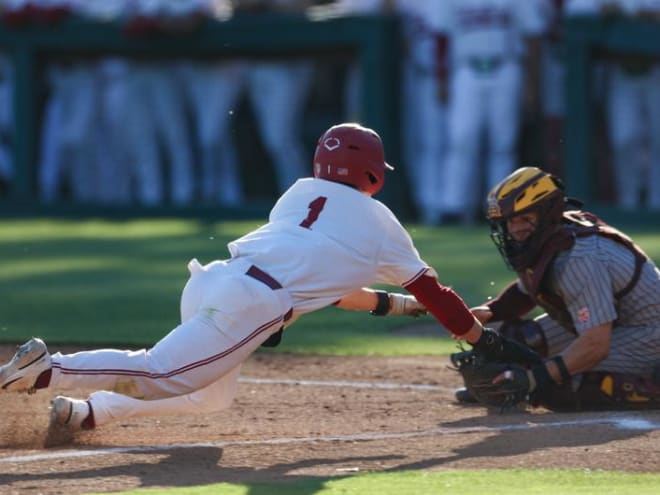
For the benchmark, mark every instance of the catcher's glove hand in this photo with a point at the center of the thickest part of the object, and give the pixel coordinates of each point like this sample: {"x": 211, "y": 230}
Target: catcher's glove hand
{"x": 492, "y": 383}
{"x": 494, "y": 347}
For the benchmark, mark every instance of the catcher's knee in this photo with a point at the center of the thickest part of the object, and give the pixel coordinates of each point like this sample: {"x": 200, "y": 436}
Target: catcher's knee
{"x": 604, "y": 391}
{"x": 527, "y": 332}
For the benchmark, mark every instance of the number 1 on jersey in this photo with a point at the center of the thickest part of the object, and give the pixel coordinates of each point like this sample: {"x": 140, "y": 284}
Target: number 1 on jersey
{"x": 315, "y": 208}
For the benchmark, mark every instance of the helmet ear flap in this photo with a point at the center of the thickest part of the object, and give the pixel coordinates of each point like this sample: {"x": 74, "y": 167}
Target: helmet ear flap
{"x": 372, "y": 178}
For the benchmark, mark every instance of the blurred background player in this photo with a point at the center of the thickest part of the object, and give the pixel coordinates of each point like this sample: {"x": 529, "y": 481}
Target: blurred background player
{"x": 633, "y": 114}
{"x": 278, "y": 91}
{"x": 423, "y": 113}
{"x": 552, "y": 86}
{"x": 69, "y": 161}
{"x": 158, "y": 121}
{"x": 491, "y": 46}
{"x": 6, "y": 123}
{"x": 66, "y": 163}
{"x": 212, "y": 89}
{"x": 552, "y": 77}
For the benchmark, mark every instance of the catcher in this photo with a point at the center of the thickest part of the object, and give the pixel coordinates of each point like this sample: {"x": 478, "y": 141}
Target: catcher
{"x": 597, "y": 345}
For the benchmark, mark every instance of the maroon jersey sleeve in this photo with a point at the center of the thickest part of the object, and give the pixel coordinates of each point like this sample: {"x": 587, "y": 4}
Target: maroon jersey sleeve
{"x": 443, "y": 303}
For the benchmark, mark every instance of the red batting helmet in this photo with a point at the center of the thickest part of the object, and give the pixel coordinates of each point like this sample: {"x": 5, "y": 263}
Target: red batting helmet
{"x": 353, "y": 155}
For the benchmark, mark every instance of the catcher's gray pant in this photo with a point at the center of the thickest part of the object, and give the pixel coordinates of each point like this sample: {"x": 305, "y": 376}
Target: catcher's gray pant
{"x": 633, "y": 350}
{"x": 226, "y": 316}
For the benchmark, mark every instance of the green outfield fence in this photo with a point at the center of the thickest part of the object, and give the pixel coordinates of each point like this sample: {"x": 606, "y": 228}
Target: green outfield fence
{"x": 586, "y": 40}
{"x": 374, "y": 40}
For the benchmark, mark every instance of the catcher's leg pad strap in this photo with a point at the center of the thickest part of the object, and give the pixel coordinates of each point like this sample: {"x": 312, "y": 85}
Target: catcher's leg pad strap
{"x": 603, "y": 391}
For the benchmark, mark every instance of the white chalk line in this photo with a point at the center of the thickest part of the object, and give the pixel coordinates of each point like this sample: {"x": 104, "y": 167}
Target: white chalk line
{"x": 618, "y": 422}
{"x": 326, "y": 383}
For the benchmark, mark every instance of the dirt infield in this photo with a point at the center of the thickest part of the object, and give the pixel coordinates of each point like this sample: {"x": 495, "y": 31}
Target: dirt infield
{"x": 316, "y": 417}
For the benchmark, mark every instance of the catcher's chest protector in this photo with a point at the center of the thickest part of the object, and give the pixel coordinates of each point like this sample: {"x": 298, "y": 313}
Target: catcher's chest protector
{"x": 576, "y": 224}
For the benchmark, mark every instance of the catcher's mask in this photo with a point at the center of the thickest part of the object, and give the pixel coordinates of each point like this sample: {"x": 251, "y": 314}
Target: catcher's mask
{"x": 528, "y": 189}
{"x": 353, "y": 155}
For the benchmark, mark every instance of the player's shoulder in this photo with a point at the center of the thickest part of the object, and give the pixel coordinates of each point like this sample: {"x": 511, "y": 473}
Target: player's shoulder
{"x": 594, "y": 246}
{"x": 584, "y": 244}
{"x": 590, "y": 254}
{"x": 348, "y": 197}
{"x": 582, "y": 253}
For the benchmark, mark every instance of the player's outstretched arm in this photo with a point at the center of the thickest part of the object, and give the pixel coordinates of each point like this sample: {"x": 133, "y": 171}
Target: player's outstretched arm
{"x": 382, "y": 303}
{"x": 447, "y": 307}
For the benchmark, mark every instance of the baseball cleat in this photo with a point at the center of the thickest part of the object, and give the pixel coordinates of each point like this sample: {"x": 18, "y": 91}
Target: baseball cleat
{"x": 74, "y": 414}
{"x": 21, "y": 373}
{"x": 464, "y": 396}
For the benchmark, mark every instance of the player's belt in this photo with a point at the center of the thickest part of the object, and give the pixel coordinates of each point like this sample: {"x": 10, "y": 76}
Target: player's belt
{"x": 263, "y": 277}
{"x": 258, "y": 274}
{"x": 485, "y": 64}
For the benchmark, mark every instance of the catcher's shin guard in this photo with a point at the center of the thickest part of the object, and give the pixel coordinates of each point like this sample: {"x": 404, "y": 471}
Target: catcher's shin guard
{"x": 527, "y": 332}
{"x": 604, "y": 391}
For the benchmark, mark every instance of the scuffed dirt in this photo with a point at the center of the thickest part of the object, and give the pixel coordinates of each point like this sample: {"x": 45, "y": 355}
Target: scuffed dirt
{"x": 285, "y": 431}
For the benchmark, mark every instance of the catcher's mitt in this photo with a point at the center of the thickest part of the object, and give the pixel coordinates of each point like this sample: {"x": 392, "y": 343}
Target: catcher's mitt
{"x": 478, "y": 374}
{"x": 495, "y": 347}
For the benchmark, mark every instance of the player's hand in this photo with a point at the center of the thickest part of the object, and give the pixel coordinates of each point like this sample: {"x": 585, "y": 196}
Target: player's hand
{"x": 403, "y": 304}
{"x": 482, "y": 313}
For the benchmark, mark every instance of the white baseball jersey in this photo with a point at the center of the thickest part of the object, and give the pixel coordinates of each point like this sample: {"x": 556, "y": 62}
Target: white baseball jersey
{"x": 488, "y": 28}
{"x": 323, "y": 241}
{"x": 348, "y": 240}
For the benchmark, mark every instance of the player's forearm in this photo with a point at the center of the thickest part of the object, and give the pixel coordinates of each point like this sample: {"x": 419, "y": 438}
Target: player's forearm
{"x": 382, "y": 303}
{"x": 587, "y": 351}
{"x": 447, "y": 307}
{"x": 361, "y": 300}
{"x": 511, "y": 303}
{"x": 582, "y": 355}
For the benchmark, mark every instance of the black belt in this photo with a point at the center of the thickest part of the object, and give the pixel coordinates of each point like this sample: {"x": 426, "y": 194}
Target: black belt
{"x": 258, "y": 274}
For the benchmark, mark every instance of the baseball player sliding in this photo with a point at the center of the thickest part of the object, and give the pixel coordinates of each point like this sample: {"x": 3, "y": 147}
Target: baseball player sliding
{"x": 326, "y": 241}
